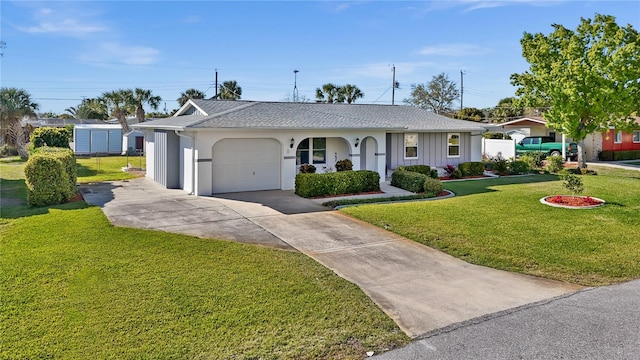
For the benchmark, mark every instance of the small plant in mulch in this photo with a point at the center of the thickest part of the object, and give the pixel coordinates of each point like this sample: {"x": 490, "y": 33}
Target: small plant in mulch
{"x": 453, "y": 172}
{"x": 575, "y": 186}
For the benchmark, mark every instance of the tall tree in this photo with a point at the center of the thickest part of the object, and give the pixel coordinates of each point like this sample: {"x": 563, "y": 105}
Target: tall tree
{"x": 229, "y": 90}
{"x": 190, "y": 94}
{"x": 328, "y": 93}
{"x": 91, "y": 108}
{"x": 349, "y": 93}
{"x": 120, "y": 104}
{"x": 142, "y": 97}
{"x": 14, "y": 105}
{"x": 437, "y": 95}
{"x": 470, "y": 113}
{"x": 507, "y": 109}
{"x": 590, "y": 77}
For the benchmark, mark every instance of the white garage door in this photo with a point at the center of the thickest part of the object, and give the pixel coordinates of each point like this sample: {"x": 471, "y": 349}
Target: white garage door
{"x": 245, "y": 165}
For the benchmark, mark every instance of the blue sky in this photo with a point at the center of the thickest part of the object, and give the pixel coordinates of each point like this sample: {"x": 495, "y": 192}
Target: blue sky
{"x": 61, "y": 51}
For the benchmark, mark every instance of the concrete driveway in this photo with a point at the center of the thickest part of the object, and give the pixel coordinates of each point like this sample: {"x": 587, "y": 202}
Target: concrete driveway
{"x": 422, "y": 289}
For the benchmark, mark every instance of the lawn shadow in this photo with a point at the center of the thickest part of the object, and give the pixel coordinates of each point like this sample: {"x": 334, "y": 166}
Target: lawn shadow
{"x": 85, "y": 171}
{"x": 471, "y": 187}
{"x": 13, "y": 201}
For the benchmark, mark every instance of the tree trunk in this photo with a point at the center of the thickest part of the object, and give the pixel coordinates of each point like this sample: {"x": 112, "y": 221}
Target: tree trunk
{"x": 123, "y": 122}
{"x": 582, "y": 162}
{"x": 140, "y": 114}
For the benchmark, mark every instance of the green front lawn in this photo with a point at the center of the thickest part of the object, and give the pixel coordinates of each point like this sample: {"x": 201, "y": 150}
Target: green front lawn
{"x": 75, "y": 287}
{"x": 500, "y": 223}
{"x": 96, "y": 169}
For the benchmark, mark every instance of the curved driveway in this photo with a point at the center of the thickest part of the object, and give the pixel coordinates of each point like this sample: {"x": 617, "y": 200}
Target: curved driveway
{"x": 422, "y": 289}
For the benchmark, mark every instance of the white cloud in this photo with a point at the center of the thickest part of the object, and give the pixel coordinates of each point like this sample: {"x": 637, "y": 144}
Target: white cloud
{"x": 459, "y": 49}
{"x": 114, "y": 53}
{"x": 471, "y": 5}
{"x": 193, "y": 19}
{"x": 64, "y": 21}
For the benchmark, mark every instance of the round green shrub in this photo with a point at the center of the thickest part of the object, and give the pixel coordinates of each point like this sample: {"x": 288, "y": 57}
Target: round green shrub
{"x": 432, "y": 187}
{"x": 307, "y": 169}
{"x": 344, "y": 165}
{"x": 555, "y": 164}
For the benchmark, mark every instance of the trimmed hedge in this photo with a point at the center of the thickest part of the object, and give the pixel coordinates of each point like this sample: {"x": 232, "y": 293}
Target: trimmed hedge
{"x": 471, "y": 168}
{"x": 337, "y": 183}
{"x": 433, "y": 187}
{"x": 50, "y": 136}
{"x": 50, "y": 176}
{"x": 611, "y": 155}
{"x": 422, "y": 169}
{"x": 409, "y": 180}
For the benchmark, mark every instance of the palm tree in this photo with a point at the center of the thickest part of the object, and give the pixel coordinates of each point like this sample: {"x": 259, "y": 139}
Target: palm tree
{"x": 120, "y": 103}
{"x": 229, "y": 90}
{"x": 140, "y": 97}
{"x": 349, "y": 93}
{"x": 327, "y": 94}
{"x": 14, "y": 105}
{"x": 92, "y": 108}
{"x": 190, "y": 94}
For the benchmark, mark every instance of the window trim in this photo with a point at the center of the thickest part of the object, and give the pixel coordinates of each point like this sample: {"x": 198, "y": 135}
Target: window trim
{"x": 450, "y": 145}
{"x": 615, "y": 137}
{"x": 633, "y": 136}
{"x": 417, "y": 145}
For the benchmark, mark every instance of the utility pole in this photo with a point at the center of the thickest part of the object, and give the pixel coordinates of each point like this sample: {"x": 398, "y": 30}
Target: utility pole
{"x": 295, "y": 85}
{"x": 216, "y": 97}
{"x": 461, "y": 88}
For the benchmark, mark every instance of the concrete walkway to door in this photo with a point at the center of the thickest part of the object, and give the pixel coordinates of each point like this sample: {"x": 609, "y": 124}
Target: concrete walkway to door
{"x": 422, "y": 289}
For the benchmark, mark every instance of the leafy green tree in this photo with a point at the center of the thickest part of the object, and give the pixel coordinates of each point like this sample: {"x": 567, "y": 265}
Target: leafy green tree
{"x": 507, "y": 109}
{"x": 14, "y": 105}
{"x": 328, "y": 93}
{"x": 437, "y": 95}
{"x": 190, "y": 94}
{"x": 229, "y": 90}
{"x": 349, "y": 93}
{"x": 120, "y": 104}
{"x": 472, "y": 114}
{"x": 589, "y": 78}
{"x": 156, "y": 115}
{"x": 142, "y": 97}
{"x": 48, "y": 115}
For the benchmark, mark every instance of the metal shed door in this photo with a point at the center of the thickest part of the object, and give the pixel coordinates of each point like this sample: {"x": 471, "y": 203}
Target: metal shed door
{"x": 245, "y": 165}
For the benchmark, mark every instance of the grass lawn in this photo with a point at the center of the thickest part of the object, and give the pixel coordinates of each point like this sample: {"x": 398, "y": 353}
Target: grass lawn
{"x": 500, "y": 223}
{"x": 96, "y": 169}
{"x": 75, "y": 287}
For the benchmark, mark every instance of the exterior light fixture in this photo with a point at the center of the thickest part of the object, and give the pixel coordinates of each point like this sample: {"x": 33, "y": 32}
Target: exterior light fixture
{"x": 357, "y": 141}
{"x": 293, "y": 141}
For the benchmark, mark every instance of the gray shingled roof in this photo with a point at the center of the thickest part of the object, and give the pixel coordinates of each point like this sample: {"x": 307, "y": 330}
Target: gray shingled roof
{"x": 288, "y": 115}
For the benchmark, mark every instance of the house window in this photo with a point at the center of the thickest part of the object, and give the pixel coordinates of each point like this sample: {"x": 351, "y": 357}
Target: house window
{"x": 319, "y": 150}
{"x": 453, "y": 144}
{"x": 618, "y": 137}
{"x": 302, "y": 153}
{"x": 636, "y": 136}
{"x": 316, "y": 147}
{"x": 410, "y": 146}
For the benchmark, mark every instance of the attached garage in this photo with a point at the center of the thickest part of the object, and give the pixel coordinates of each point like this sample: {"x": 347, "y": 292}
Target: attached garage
{"x": 245, "y": 165}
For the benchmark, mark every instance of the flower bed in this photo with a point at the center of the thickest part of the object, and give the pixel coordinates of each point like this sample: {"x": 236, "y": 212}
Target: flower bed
{"x": 572, "y": 201}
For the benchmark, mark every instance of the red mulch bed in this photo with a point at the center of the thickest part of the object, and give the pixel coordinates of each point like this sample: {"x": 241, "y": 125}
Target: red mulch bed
{"x": 76, "y": 197}
{"x": 446, "y": 178}
{"x": 573, "y": 200}
{"x": 362, "y": 193}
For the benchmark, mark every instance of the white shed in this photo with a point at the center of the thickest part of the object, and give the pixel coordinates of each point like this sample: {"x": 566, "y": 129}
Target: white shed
{"x": 105, "y": 139}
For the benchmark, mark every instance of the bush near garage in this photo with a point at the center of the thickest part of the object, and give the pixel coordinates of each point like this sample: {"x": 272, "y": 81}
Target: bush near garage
{"x": 471, "y": 168}
{"x": 50, "y": 136}
{"x": 50, "y": 176}
{"x": 337, "y": 183}
{"x": 408, "y": 180}
{"x": 307, "y": 169}
{"x": 610, "y": 155}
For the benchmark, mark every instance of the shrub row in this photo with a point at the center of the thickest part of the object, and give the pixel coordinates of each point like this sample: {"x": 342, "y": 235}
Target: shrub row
{"x": 421, "y": 169}
{"x": 52, "y": 137}
{"x": 337, "y": 183}
{"x": 408, "y": 180}
{"x": 50, "y": 176}
{"x": 471, "y": 168}
{"x": 611, "y": 155}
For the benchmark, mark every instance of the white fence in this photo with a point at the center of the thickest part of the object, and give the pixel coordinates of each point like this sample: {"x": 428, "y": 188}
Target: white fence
{"x": 496, "y": 147}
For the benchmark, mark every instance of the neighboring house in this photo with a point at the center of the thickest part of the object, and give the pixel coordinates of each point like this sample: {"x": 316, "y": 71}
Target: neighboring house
{"x": 613, "y": 140}
{"x": 520, "y": 128}
{"x": 106, "y": 139}
{"x": 216, "y": 146}
{"x": 29, "y": 124}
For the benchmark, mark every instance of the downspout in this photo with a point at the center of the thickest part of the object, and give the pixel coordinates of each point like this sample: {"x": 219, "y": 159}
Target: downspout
{"x": 193, "y": 160}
